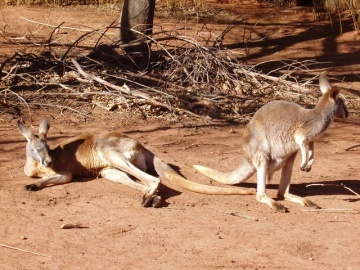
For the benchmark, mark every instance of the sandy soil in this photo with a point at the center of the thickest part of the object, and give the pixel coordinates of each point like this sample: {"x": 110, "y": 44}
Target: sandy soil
{"x": 192, "y": 230}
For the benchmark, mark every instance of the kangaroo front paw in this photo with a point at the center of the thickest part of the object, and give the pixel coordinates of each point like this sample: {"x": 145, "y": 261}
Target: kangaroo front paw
{"x": 305, "y": 168}
{"x": 308, "y": 167}
{"x": 31, "y": 187}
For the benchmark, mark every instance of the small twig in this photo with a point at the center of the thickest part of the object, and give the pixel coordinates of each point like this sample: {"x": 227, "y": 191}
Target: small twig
{"x": 19, "y": 97}
{"x": 275, "y": 79}
{"x": 207, "y": 144}
{"x": 56, "y": 26}
{"x": 335, "y": 185}
{"x": 109, "y": 108}
{"x": 2, "y": 65}
{"x": 51, "y": 35}
{"x": 67, "y": 226}
{"x": 339, "y": 221}
{"x": 333, "y": 210}
{"x": 169, "y": 143}
{"x": 23, "y": 250}
{"x": 103, "y": 34}
{"x": 352, "y": 147}
{"x": 237, "y": 214}
{"x": 78, "y": 40}
{"x": 83, "y": 114}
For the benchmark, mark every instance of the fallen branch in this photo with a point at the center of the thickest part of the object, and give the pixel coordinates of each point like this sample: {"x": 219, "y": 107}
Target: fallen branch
{"x": 123, "y": 89}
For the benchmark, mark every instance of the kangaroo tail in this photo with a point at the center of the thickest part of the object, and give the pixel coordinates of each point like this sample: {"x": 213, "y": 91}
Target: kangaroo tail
{"x": 165, "y": 171}
{"x": 239, "y": 175}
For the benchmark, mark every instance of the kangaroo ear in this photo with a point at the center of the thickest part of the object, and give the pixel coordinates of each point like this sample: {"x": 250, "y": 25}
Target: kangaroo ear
{"x": 324, "y": 84}
{"x": 24, "y": 131}
{"x": 44, "y": 128}
{"x": 335, "y": 93}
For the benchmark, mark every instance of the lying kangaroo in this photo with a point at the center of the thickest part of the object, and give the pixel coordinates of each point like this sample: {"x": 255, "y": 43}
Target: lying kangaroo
{"x": 272, "y": 139}
{"x": 111, "y": 155}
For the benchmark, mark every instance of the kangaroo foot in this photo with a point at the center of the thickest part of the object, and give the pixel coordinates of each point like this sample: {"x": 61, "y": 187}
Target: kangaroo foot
{"x": 151, "y": 200}
{"x": 311, "y": 204}
{"x": 278, "y": 207}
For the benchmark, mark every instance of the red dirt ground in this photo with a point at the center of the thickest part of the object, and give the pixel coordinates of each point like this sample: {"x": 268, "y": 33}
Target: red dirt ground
{"x": 193, "y": 231}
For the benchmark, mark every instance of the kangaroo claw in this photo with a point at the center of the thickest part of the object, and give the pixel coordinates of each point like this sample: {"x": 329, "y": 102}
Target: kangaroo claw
{"x": 31, "y": 187}
{"x": 157, "y": 202}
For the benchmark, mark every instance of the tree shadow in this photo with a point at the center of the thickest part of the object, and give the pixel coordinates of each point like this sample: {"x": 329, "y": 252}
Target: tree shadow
{"x": 331, "y": 187}
{"x": 330, "y": 56}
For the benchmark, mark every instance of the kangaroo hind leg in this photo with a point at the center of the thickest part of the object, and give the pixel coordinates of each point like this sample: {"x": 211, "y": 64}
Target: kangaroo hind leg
{"x": 117, "y": 176}
{"x": 125, "y": 164}
{"x": 262, "y": 178}
{"x": 284, "y": 187}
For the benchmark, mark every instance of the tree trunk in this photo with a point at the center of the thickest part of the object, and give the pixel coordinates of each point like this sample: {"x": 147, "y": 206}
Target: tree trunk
{"x": 139, "y": 16}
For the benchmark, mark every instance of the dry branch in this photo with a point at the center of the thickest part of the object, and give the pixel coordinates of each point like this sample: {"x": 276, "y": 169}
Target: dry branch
{"x": 123, "y": 89}
{"x": 126, "y": 90}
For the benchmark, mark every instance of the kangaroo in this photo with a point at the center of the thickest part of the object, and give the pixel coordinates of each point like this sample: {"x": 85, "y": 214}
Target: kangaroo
{"x": 272, "y": 138}
{"x": 111, "y": 155}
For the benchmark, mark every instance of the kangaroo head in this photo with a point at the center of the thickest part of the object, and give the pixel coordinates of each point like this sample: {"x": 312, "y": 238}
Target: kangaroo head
{"x": 340, "y": 109}
{"x": 37, "y": 147}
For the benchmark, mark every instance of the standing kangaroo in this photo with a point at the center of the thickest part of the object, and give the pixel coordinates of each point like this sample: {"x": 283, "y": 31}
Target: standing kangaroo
{"x": 111, "y": 155}
{"x": 272, "y": 139}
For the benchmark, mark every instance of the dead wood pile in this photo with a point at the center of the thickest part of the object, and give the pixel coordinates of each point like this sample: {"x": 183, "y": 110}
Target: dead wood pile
{"x": 181, "y": 76}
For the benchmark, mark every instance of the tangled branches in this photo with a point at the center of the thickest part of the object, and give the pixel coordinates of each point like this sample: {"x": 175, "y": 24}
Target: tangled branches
{"x": 181, "y": 76}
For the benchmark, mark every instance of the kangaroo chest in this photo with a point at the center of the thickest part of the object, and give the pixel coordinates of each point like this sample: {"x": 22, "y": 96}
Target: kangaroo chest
{"x": 78, "y": 156}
